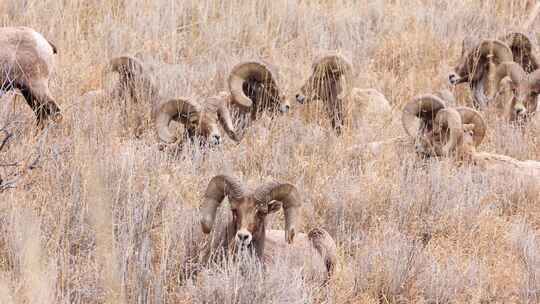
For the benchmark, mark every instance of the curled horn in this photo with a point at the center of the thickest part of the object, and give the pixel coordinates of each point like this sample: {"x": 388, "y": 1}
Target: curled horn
{"x": 218, "y": 188}
{"x": 500, "y": 51}
{"x": 473, "y": 117}
{"x": 448, "y": 119}
{"x": 522, "y": 50}
{"x": 225, "y": 119}
{"x": 288, "y": 195}
{"x": 177, "y": 109}
{"x": 242, "y": 72}
{"x": 509, "y": 69}
{"x": 126, "y": 66}
{"x": 423, "y": 107}
{"x": 338, "y": 66}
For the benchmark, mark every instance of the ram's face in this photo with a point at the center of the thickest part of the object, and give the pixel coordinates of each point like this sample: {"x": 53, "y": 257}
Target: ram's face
{"x": 249, "y": 217}
{"x": 524, "y": 102}
{"x": 461, "y": 70}
{"x": 427, "y": 143}
{"x": 204, "y": 126}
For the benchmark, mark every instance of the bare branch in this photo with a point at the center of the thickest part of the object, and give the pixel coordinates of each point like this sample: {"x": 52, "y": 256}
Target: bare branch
{"x": 5, "y": 140}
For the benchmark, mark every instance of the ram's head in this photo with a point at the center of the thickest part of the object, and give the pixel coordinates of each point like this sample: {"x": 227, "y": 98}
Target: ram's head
{"x": 200, "y": 120}
{"x": 525, "y": 90}
{"x": 254, "y": 88}
{"x": 476, "y": 64}
{"x": 436, "y": 129}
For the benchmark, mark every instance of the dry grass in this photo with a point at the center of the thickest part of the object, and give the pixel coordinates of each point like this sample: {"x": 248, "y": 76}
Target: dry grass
{"x": 97, "y": 216}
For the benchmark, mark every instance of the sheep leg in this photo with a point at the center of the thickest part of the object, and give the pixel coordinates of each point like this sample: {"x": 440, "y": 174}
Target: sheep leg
{"x": 325, "y": 246}
{"x": 335, "y": 112}
{"x": 479, "y": 97}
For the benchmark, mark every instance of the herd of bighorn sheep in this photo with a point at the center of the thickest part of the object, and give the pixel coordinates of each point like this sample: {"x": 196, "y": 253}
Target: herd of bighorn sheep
{"x": 503, "y": 71}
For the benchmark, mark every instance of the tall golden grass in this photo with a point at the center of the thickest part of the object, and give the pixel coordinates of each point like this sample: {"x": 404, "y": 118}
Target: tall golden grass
{"x": 104, "y": 217}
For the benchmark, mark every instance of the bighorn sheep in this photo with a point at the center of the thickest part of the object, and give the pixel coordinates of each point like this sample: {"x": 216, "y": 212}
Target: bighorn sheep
{"x": 26, "y": 63}
{"x": 133, "y": 82}
{"x": 522, "y": 50}
{"x": 435, "y": 127}
{"x": 476, "y": 65}
{"x": 474, "y": 128}
{"x": 254, "y": 89}
{"x": 200, "y": 119}
{"x": 329, "y": 83}
{"x": 247, "y": 230}
{"x": 427, "y": 120}
{"x": 525, "y": 90}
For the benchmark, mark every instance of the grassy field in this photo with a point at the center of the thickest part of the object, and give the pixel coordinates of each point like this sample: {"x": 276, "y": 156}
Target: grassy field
{"x": 96, "y": 215}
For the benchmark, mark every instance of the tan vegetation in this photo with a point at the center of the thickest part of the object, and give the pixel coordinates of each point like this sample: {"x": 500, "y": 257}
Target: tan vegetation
{"x": 90, "y": 213}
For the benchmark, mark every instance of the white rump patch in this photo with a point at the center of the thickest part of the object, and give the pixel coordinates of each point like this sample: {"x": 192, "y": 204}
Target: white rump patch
{"x": 44, "y": 48}
{"x": 42, "y": 44}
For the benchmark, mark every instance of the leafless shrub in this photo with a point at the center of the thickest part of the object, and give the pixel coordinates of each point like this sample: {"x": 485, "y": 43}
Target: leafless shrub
{"x": 249, "y": 282}
{"x": 525, "y": 242}
{"x": 388, "y": 266}
{"x": 450, "y": 282}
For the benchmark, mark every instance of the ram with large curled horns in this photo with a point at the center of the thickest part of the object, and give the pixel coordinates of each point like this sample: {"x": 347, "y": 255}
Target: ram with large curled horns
{"x": 254, "y": 88}
{"x": 524, "y": 88}
{"x": 26, "y": 64}
{"x": 200, "y": 119}
{"x": 468, "y": 127}
{"x": 247, "y": 230}
{"x": 329, "y": 82}
{"x": 474, "y": 130}
{"x": 434, "y": 127}
{"x": 522, "y": 51}
{"x": 477, "y": 64}
{"x": 429, "y": 123}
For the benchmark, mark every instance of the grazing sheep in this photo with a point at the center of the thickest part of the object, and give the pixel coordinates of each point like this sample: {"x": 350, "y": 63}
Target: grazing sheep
{"x": 435, "y": 127}
{"x": 247, "y": 231}
{"x": 134, "y": 85}
{"x": 329, "y": 83}
{"x": 254, "y": 90}
{"x": 522, "y": 50}
{"x": 474, "y": 128}
{"x": 26, "y": 64}
{"x": 199, "y": 119}
{"x": 477, "y": 64}
{"x": 133, "y": 79}
{"x": 525, "y": 90}
{"x": 133, "y": 82}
